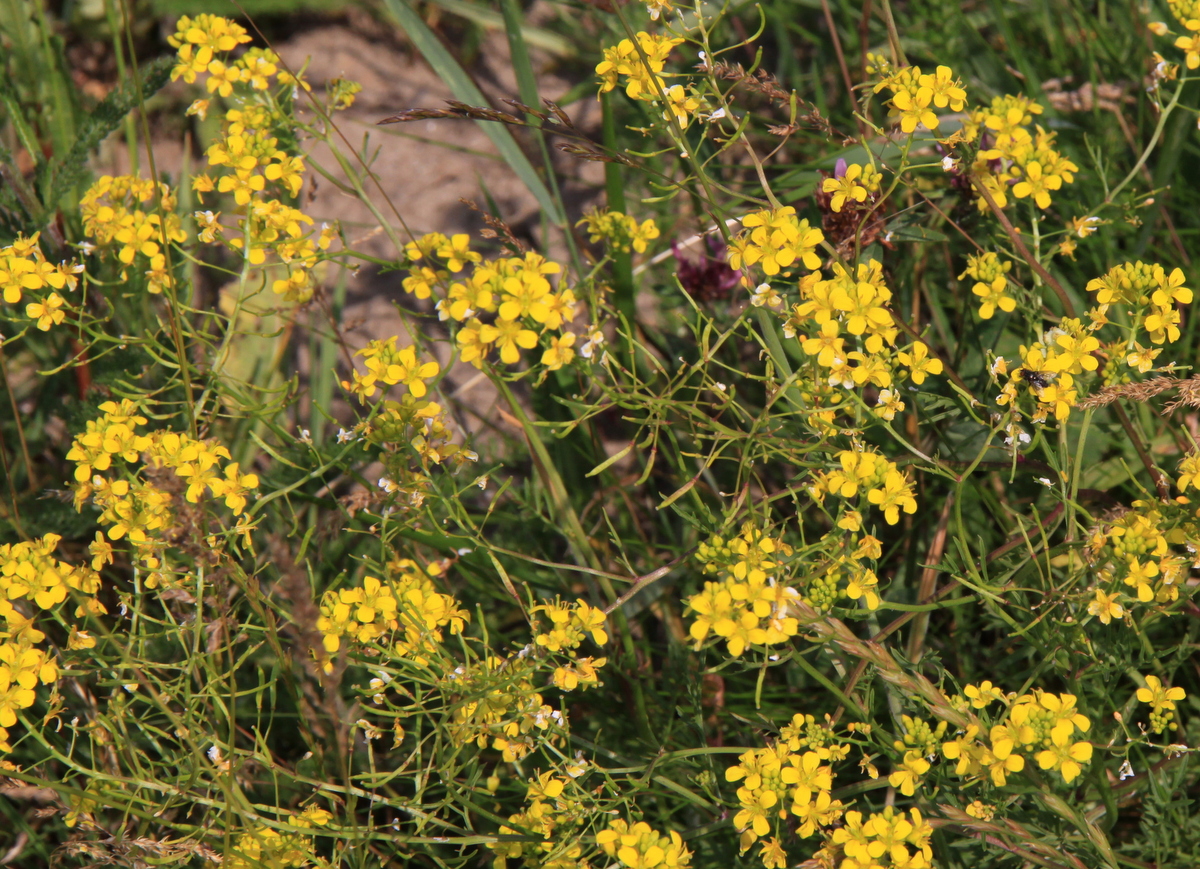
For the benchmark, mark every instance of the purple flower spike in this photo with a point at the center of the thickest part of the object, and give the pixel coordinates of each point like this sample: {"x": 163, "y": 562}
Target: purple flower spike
{"x": 839, "y": 168}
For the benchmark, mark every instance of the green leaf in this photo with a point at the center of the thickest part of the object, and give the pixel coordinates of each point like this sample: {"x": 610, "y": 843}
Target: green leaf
{"x": 66, "y": 170}
{"x": 449, "y": 70}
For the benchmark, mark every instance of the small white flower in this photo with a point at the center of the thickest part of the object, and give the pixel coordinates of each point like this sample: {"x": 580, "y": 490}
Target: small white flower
{"x": 305, "y": 436}
{"x": 464, "y": 550}
{"x": 594, "y": 342}
{"x": 683, "y": 154}
{"x": 1126, "y": 770}
{"x": 703, "y": 57}
{"x": 86, "y": 248}
{"x": 482, "y": 482}
{"x": 387, "y": 485}
{"x": 765, "y": 296}
{"x": 344, "y": 437}
{"x": 214, "y": 754}
{"x": 717, "y": 115}
{"x": 721, "y": 386}
{"x": 949, "y": 164}
{"x": 1045, "y": 481}
{"x": 1052, "y": 335}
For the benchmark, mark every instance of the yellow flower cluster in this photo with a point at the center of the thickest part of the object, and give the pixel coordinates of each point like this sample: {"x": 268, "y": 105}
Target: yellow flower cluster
{"x": 267, "y": 846}
{"x": 619, "y": 231}
{"x": 1039, "y": 722}
{"x": 865, "y": 472}
{"x": 31, "y": 575}
{"x": 638, "y": 846}
{"x": 641, "y": 66}
{"x": 1162, "y": 703}
{"x": 1144, "y": 295}
{"x": 856, "y": 305}
{"x": 991, "y": 283}
{"x": 569, "y": 625}
{"x": 1048, "y": 368}
{"x": 495, "y": 702}
{"x": 749, "y": 605}
{"x": 244, "y": 148}
{"x": 200, "y": 43}
{"x": 24, "y": 269}
{"x": 406, "y": 606}
{"x": 885, "y": 839}
{"x": 389, "y": 365}
{"x": 553, "y": 807}
{"x": 774, "y": 240}
{"x": 248, "y": 155}
{"x": 1009, "y": 153}
{"x": 1132, "y": 558}
{"x": 920, "y": 742}
{"x": 1149, "y": 291}
{"x": 514, "y": 289}
{"x": 915, "y": 95}
{"x": 422, "y": 425}
{"x": 778, "y": 784}
{"x": 1187, "y": 12}
{"x": 116, "y": 214}
{"x": 845, "y": 576}
{"x": 137, "y": 507}
{"x": 268, "y": 226}
{"x": 857, "y": 183}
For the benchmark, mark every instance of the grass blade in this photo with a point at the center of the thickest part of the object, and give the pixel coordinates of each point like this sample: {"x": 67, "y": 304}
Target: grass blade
{"x": 449, "y": 70}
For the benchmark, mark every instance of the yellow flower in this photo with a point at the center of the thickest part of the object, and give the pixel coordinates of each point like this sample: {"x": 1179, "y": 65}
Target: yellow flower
{"x": 999, "y": 760}
{"x": 851, "y": 185}
{"x": 895, "y": 495}
{"x": 983, "y": 695}
{"x": 772, "y": 854}
{"x": 234, "y": 487}
{"x": 1140, "y": 576}
{"x": 919, "y": 362}
{"x": 511, "y": 335}
{"x": 914, "y": 109}
{"x": 1158, "y": 696}
{"x": 908, "y": 775}
{"x": 1065, "y": 756}
{"x": 1106, "y": 607}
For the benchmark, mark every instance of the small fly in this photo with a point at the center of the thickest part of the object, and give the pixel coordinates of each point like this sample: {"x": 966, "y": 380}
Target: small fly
{"x": 1037, "y": 379}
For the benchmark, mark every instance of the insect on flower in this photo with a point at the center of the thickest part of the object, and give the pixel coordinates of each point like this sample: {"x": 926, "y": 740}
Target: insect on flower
{"x": 1037, "y": 379}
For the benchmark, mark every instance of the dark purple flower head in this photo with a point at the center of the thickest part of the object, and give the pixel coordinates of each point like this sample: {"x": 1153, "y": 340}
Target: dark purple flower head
{"x": 710, "y": 277}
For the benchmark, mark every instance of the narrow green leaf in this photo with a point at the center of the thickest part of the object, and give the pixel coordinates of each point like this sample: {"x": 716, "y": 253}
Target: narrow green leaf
{"x": 611, "y": 460}
{"x": 67, "y": 169}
